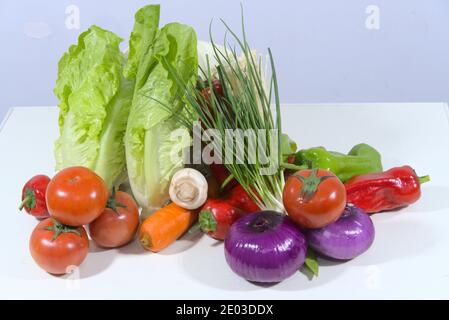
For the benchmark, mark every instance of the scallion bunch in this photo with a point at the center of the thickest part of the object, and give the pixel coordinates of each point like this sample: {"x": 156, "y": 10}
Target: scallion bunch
{"x": 246, "y": 103}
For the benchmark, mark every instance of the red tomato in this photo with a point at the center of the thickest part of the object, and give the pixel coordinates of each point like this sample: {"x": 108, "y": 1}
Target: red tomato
{"x": 33, "y": 196}
{"x": 57, "y": 248}
{"x": 314, "y": 198}
{"x": 76, "y": 196}
{"x": 118, "y": 223}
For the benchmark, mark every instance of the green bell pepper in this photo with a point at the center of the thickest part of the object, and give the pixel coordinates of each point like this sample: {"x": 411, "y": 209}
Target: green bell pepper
{"x": 360, "y": 160}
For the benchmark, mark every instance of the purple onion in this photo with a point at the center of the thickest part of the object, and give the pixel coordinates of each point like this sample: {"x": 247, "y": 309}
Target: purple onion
{"x": 265, "y": 247}
{"x": 349, "y": 236}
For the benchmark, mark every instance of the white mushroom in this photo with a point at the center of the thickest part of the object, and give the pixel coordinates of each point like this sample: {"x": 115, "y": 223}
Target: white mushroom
{"x": 188, "y": 188}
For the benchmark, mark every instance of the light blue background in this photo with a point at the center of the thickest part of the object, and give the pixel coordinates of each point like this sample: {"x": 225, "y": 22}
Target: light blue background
{"x": 323, "y": 51}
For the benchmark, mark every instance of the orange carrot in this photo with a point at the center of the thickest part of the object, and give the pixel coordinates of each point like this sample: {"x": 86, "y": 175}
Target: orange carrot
{"x": 164, "y": 226}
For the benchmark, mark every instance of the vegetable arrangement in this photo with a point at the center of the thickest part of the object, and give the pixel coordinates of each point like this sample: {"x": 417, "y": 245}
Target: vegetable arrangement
{"x": 275, "y": 208}
{"x": 77, "y": 196}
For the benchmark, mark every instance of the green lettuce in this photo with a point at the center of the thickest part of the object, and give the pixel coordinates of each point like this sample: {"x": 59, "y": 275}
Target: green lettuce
{"x": 148, "y": 142}
{"x": 94, "y": 102}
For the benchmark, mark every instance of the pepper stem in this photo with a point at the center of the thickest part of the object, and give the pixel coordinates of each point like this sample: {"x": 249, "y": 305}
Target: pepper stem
{"x": 424, "y": 179}
{"x": 292, "y": 166}
{"x": 207, "y": 221}
{"x": 195, "y": 228}
{"x": 24, "y": 202}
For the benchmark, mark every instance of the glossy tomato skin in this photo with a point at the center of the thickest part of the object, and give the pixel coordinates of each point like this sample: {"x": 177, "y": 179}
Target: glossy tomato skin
{"x": 114, "y": 229}
{"x": 34, "y": 190}
{"x": 58, "y": 256}
{"x": 76, "y": 196}
{"x": 324, "y": 207}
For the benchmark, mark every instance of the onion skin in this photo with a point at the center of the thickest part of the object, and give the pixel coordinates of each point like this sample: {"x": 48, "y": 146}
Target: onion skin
{"x": 348, "y": 237}
{"x": 265, "y": 247}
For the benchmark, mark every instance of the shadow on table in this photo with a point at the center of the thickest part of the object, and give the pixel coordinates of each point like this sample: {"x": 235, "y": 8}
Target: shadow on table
{"x": 211, "y": 269}
{"x": 97, "y": 260}
{"x": 396, "y": 241}
{"x": 132, "y": 248}
{"x": 184, "y": 243}
{"x": 433, "y": 198}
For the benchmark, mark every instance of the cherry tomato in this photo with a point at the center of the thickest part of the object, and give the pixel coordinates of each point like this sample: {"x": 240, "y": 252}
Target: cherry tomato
{"x": 314, "y": 198}
{"x": 33, "y": 196}
{"x": 57, "y": 248}
{"x": 76, "y": 196}
{"x": 118, "y": 223}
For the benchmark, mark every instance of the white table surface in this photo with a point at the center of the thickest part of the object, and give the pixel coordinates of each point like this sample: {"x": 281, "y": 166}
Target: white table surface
{"x": 409, "y": 257}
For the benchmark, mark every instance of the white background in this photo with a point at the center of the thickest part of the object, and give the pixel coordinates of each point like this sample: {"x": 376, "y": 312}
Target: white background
{"x": 323, "y": 50}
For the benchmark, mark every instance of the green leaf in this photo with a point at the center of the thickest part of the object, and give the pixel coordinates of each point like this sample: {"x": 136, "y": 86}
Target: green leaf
{"x": 145, "y": 28}
{"x": 94, "y": 103}
{"x": 311, "y": 262}
{"x": 148, "y": 141}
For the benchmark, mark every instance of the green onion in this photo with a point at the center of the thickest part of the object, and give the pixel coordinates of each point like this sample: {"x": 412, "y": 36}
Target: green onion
{"x": 246, "y": 105}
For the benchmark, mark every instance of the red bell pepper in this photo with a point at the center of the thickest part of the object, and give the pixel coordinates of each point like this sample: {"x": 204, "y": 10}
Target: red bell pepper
{"x": 217, "y": 216}
{"x": 33, "y": 196}
{"x": 392, "y": 189}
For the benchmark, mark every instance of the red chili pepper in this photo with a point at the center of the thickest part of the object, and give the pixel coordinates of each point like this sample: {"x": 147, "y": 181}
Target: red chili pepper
{"x": 217, "y": 216}
{"x": 239, "y": 198}
{"x": 392, "y": 189}
{"x": 33, "y": 196}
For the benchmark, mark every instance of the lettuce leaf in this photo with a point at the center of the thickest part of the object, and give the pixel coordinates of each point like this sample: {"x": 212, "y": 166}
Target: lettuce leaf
{"x": 94, "y": 103}
{"x": 144, "y": 31}
{"x": 148, "y": 140}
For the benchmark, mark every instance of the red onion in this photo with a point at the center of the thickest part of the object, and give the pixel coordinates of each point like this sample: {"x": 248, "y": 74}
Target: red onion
{"x": 265, "y": 247}
{"x": 349, "y": 236}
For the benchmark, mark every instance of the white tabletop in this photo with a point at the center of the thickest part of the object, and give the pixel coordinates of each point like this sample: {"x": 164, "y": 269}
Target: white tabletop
{"x": 409, "y": 257}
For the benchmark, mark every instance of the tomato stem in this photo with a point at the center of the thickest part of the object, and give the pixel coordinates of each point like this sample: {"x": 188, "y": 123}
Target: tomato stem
{"x": 310, "y": 184}
{"x": 113, "y": 204}
{"x": 59, "y": 228}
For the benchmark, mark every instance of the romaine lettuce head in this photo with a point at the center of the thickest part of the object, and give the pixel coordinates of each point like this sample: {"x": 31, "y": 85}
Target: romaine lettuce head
{"x": 94, "y": 103}
{"x": 148, "y": 141}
